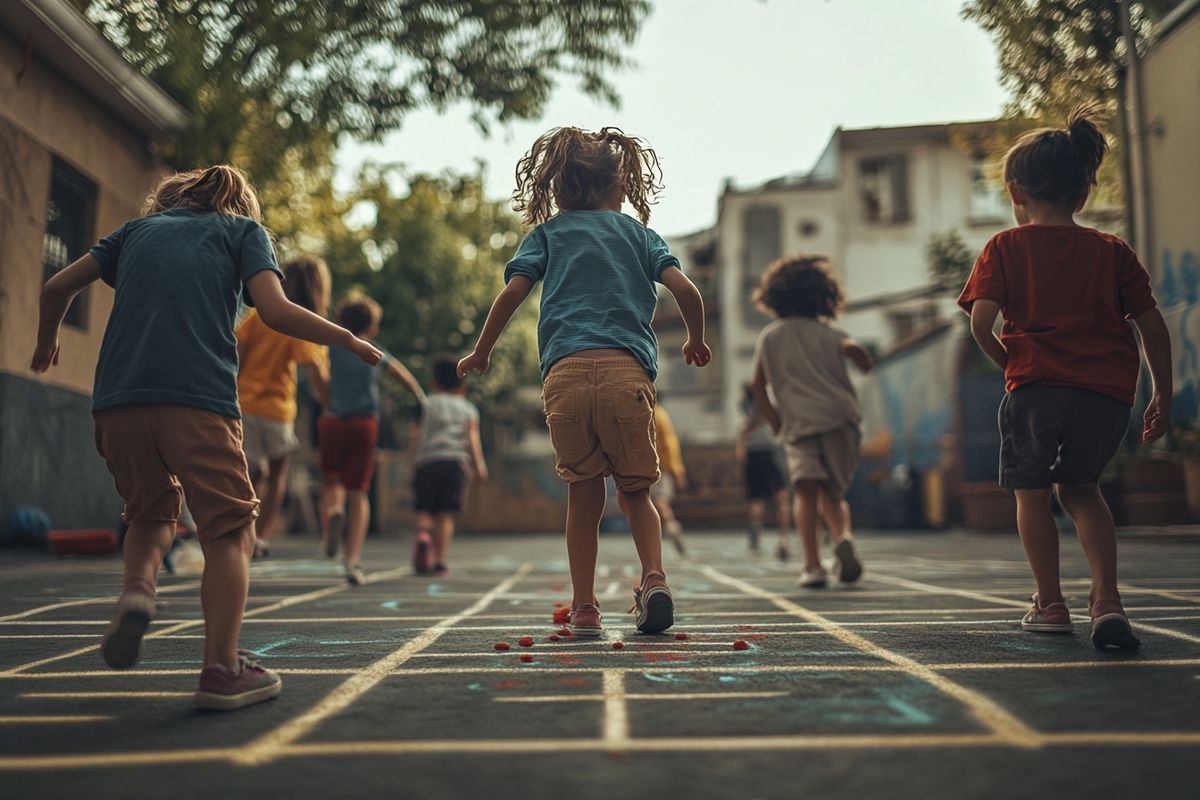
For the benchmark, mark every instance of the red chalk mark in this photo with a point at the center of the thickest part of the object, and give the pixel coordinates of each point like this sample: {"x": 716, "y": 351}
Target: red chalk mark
{"x": 745, "y": 627}
{"x": 562, "y": 616}
{"x": 739, "y": 644}
{"x": 573, "y": 681}
{"x": 525, "y": 641}
{"x": 757, "y": 636}
{"x": 654, "y": 659}
{"x": 565, "y": 632}
{"x": 617, "y": 645}
{"x": 502, "y": 645}
{"x": 681, "y": 636}
{"x": 554, "y": 637}
{"x": 526, "y": 658}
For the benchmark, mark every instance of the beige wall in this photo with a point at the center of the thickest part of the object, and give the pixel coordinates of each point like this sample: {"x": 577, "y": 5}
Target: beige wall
{"x": 43, "y": 116}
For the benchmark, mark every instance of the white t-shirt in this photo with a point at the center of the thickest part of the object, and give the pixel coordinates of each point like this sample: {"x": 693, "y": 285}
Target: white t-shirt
{"x": 444, "y": 421}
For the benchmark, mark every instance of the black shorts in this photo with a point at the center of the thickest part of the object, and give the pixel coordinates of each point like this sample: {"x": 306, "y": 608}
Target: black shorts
{"x": 1058, "y": 434}
{"x": 440, "y": 487}
{"x": 763, "y": 475}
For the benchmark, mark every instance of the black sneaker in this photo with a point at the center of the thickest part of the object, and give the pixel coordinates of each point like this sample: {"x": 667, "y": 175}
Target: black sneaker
{"x": 653, "y": 604}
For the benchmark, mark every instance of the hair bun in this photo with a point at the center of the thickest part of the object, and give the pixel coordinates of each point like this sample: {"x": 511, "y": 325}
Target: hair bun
{"x": 1085, "y": 135}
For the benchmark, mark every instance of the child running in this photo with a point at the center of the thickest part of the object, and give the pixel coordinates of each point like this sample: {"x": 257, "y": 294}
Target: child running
{"x": 348, "y": 431}
{"x": 757, "y": 452}
{"x": 598, "y": 353}
{"x": 267, "y": 363}
{"x": 801, "y": 359}
{"x": 1070, "y": 362}
{"x": 445, "y": 443}
{"x": 673, "y": 476}
{"x": 179, "y": 274}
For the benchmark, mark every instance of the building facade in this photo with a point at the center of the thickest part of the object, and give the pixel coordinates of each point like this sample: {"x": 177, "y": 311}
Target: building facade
{"x": 77, "y": 125}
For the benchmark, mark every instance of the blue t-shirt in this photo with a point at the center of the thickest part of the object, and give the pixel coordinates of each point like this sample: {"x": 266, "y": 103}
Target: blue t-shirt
{"x": 599, "y": 269}
{"x": 179, "y": 277}
{"x": 353, "y": 384}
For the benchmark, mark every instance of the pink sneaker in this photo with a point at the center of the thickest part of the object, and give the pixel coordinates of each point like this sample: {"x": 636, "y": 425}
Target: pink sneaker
{"x": 422, "y": 553}
{"x": 1110, "y": 626}
{"x": 221, "y": 689}
{"x": 1054, "y": 618}
{"x": 653, "y": 604}
{"x": 584, "y": 621}
{"x": 122, "y": 643}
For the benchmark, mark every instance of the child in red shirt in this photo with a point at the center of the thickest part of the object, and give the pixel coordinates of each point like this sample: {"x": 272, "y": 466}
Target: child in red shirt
{"x": 1070, "y": 362}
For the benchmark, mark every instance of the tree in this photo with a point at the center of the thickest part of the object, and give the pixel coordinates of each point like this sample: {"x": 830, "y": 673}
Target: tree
{"x": 265, "y": 78}
{"x": 949, "y": 259}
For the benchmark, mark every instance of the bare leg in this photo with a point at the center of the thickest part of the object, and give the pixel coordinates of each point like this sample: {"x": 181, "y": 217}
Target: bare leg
{"x": 646, "y": 527}
{"x": 333, "y": 496}
{"x": 443, "y": 532}
{"x": 783, "y": 516}
{"x": 223, "y": 592}
{"x": 756, "y": 510}
{"x": 1094, "y": 524}
{"x": 585, "y": 507}
{"x": 273, "y": 500}
{"x": 358, "y": 515}
{"x": 833, "y": 514}
{"x": 1039, "y": 536}
{"x": 145, "y": 545}
{"x": 807, "y": 501}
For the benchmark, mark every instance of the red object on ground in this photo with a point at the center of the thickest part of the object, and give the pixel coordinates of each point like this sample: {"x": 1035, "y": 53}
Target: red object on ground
{"x": 562, "y": 616}
{"x": 681, "y": 636}
{"x": 84, "y": 542}
{"x": 745, "y": 627}
{"x": 564, "y": 632}
{"x": 526, "y": 658}
{"x": 757, "y": 636}
{"x": 554, "y": 637}
{"x": 617, "y": 645}
{"x": 503, "y": 645}
{"x": 739, "y": 644}
{"x": 525, "y": 641}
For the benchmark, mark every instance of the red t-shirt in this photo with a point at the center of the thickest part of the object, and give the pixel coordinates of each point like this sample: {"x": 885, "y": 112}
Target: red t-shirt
{"x": 1066, "y": 293}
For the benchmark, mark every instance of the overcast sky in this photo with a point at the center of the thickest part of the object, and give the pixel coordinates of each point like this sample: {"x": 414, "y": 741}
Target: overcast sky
{"x": 747, "y": 89}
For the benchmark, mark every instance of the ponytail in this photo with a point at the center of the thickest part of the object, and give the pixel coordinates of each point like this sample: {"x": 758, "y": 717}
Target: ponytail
{"x": 1059, "y": 165}
{"x": 221, "y": 188}
{"x": 1083, "y": 131}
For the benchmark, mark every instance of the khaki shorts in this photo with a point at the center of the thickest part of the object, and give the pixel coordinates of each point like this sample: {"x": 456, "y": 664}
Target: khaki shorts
{"x": 267, "y": 439}
{"x": 830, "y": 457}
{"x": 600, "y": 411}
{"x": 160, "y": 453}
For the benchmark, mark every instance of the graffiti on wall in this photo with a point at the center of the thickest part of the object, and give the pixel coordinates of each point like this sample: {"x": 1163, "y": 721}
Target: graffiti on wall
{"x": 1178, "y": 293}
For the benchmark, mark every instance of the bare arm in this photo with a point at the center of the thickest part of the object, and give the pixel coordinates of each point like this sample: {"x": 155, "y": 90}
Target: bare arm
{"x": 983, "y": 320}
{"x": 859, "y": 356}
{"x": 763, "y": 401}
{"x": 56, "y": 298}
{"x": 691, "y": 307}
{"x": 286, "y": 317}
{"x": 475, "y": 448}
{"x": 503, "y": 308}
{"x": 739, "y": 446}
{"x": 1156, "y": 344}
{"x": 320, "y": 383}
{"x": 401, "y": 373}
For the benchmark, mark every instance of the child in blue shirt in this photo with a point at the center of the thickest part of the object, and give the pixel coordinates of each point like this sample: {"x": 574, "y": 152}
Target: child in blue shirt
{"x": 598, "y": 352}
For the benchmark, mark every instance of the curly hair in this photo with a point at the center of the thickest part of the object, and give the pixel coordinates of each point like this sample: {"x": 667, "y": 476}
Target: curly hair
{"x": 569, "y": 169}
{"x": 800, "y": 286}
{"x": 223, "y": 188}
{"x": 1059, "y": 165}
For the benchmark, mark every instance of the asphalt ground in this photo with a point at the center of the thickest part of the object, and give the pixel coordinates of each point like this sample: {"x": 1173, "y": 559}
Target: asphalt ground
{"x": 916, "y": 682}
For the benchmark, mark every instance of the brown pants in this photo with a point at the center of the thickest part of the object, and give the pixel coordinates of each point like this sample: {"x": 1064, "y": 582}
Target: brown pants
{"x": 160, "y": 453}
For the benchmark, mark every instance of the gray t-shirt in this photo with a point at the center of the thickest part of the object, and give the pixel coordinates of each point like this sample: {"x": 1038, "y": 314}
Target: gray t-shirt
{"x": 353, "y": 384}
{"x": 444, "y": 421}
{"x": 761, "y": 439}
{"x": 179, "y": 277}
{"x": 805, "y": 368}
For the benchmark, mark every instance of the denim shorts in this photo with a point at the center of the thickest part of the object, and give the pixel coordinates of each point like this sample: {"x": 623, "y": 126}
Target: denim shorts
{"x": 1058, "y": 435}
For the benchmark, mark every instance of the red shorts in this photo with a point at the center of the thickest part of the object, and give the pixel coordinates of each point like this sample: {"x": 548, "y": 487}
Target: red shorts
{"x": 348, "y": 449}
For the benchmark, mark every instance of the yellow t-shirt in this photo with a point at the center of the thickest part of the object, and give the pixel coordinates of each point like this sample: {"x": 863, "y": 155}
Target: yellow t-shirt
{"x": 670, "y": 458}
{"x": 267, "y": 372}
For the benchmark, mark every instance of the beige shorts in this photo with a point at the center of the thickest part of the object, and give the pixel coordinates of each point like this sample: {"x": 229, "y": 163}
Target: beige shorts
{"x": 158, "y": 454}
{"x": 600, "y": 411}
{"x": 830, "y": 457}
{"x": 267, "y": 439}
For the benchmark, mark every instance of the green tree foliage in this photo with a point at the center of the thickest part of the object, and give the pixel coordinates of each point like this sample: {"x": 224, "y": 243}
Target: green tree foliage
{"x": 263, "y": 78}
{"x": 949, "y": 259}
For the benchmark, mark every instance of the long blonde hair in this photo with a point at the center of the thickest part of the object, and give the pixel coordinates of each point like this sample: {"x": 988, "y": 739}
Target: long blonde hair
{"x": 223, "y": 188}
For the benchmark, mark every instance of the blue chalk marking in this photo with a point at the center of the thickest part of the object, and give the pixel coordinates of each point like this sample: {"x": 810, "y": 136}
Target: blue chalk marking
{"x": 264, "y": 649}
{"x": 664, "y": 677}
{"x": 433, "y": 588}
{"x": 727, "y": 679}
{"x": 909, "y": 714}
{"x": 390, "y": 605}
{"x": 475, "y": 687}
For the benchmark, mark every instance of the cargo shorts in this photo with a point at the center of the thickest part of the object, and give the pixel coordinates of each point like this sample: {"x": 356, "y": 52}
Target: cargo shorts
{"x": 600, "y": 411}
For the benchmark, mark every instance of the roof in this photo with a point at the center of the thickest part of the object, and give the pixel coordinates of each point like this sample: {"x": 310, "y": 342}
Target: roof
{"x": 63, "y": 38}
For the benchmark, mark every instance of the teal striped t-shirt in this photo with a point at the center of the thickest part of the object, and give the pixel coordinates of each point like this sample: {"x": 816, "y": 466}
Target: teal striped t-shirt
{"x": 599, "y": 269}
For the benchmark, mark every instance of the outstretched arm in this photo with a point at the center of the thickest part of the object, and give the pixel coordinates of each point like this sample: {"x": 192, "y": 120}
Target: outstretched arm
{"x": 691, "y": 307}
{"x": 56, "y": 298}
{"x": 475, "y": 448}
{"x": 283, "y": 315}
{"x": 983, "y": 320}
{"x": 401, "y": 373}
{"x": 859, "y": 356}
{"x": 1156, "y": 344}
{"x": 763, "y": 401}
{"x": 503, "y": 308}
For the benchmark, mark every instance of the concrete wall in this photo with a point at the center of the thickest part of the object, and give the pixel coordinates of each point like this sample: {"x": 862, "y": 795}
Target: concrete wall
{"x": 46, "y": 449}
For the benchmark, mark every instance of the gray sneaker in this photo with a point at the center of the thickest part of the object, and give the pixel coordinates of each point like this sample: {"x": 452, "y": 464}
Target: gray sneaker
{"x": 222, "y": 689}
{"x": 653, "y": 604}
{"x": 849, "y": 568}
{"x": 355, "y": 575}
{"x": 122, "y": 643}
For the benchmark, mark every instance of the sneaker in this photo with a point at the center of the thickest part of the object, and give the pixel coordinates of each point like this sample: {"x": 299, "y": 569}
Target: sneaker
{"x": 122, "y": 643}
{"x": 337, "y": 529}
{"x": 1110, "y": 626}
{"x": 815, "y": 578}
{"x": 584, "y": 621}
{"x": 1054, "y": 618}
{"x": 674, "y": 532}
{"x": 262, "y": 549}
{"x": 222, "y": 689}
{"x": 653, "y": 604}
{"x": 440, "y": 570}
{"x": 849, "y": 568}
{"x": 355, "y": 575}
{"x": 754, "y": 540}
{"x": 422, "y": 558}
{"x": 781, "y": 552}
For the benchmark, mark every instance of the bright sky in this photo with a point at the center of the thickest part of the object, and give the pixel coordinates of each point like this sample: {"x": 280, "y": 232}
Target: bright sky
{"x": 747, "y": 89}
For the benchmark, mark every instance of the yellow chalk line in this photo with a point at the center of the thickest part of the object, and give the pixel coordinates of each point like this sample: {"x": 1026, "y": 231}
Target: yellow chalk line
{"x": 616, "y": 713}
{"x": 596, "y": 698}
{"x": 993, "y": 716}
{"x": 269, "y": 745}
{"x": 53, "y": 720}
{"x": 287, "y": 602}
{"x": 91, "y": 601}
{"x": 99, "y": 695}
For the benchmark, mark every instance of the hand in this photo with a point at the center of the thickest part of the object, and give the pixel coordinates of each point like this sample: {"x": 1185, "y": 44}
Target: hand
{"x": 681, "y": 483}
{"x": 1158, "y": 418}
{"x": 368, "y": 352}
{"x": 44, "y": 357}
{"x": 696, "y": 353}
{"x": 476, "y": 361}
{"x": 740, "y": 455}
{"x": 481, "y": 473}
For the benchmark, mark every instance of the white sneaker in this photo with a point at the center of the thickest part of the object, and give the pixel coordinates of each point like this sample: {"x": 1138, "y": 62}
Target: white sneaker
{"x": 813, "y": 578}
{"x": 355, "y": 575}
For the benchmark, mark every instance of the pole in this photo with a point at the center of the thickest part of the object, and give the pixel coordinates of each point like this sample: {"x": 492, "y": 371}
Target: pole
{"x": 1138, "y": 194}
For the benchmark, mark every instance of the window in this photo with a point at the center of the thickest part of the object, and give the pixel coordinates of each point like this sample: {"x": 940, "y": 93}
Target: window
{"x": 762, "y": 231}
{"x": 989, "y": 200}
{"x": 883, "y": 189}
{"x": 69, "y": 224}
